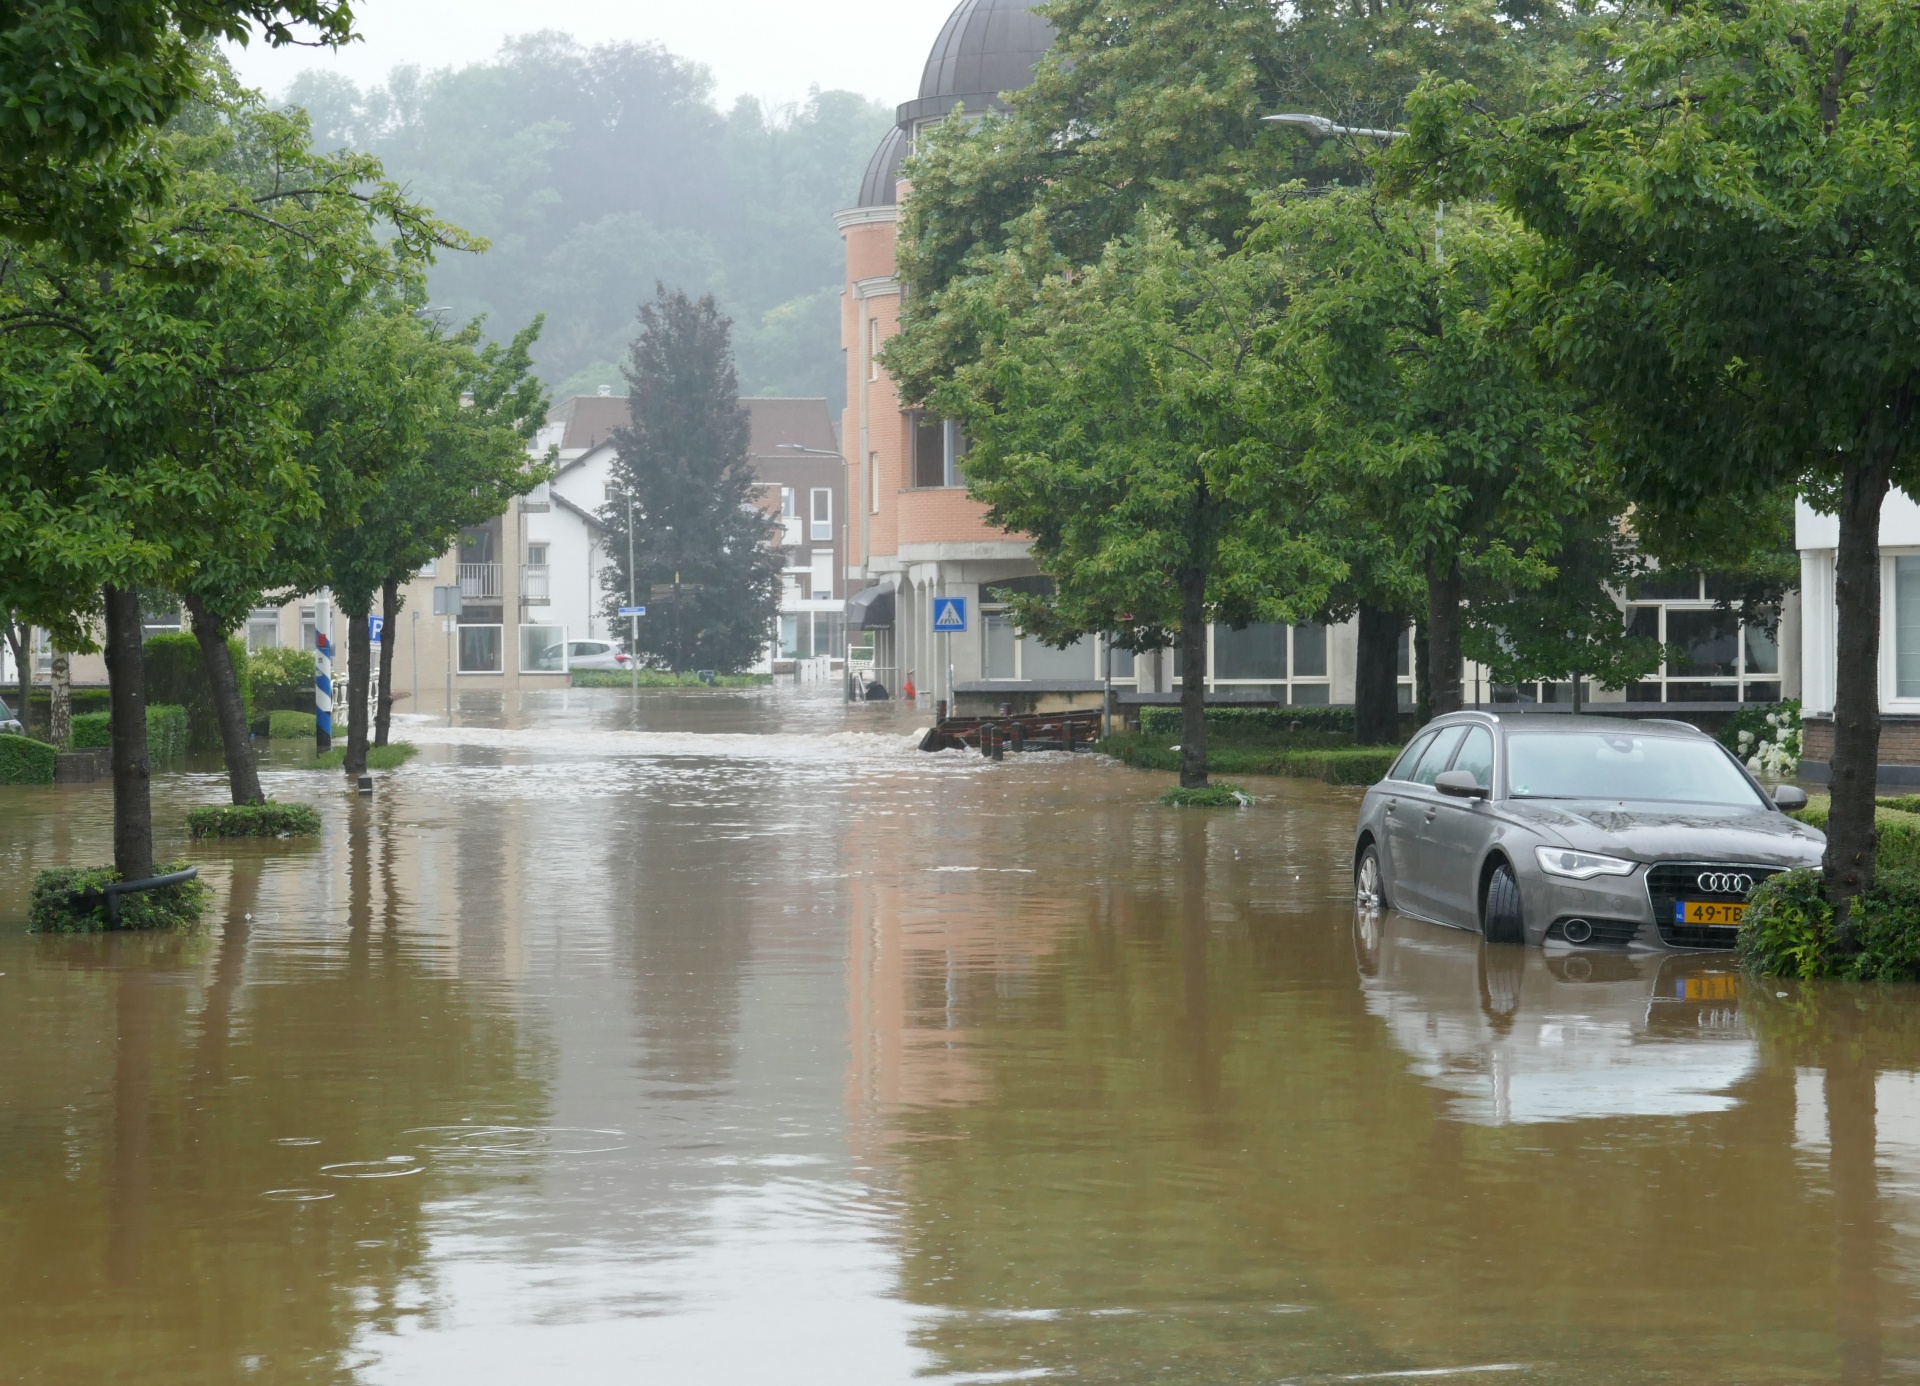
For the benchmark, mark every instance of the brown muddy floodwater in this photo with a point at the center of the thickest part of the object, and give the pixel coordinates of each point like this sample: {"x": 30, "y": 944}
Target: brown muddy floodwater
{"x": 753, "y": 1046}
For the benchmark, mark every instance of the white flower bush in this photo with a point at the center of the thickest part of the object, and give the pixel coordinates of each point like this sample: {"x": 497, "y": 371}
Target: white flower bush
{"x": 1774, "y": 753}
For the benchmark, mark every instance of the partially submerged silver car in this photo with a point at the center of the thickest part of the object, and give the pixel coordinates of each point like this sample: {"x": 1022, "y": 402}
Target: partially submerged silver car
{"x": 1575, "y": 831}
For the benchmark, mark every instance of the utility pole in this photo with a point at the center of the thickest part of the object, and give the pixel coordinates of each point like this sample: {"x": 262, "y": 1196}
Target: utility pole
{"x": 633, "y": 622}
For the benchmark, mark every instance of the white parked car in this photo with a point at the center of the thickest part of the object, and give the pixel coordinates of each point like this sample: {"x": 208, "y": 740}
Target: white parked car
{"x": 589, "y": 654}
{"x": 9, "y": 724}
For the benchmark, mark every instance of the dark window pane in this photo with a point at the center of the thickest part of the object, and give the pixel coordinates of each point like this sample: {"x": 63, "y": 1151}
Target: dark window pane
{"x": 1708, "y": 640}
{"x": 1310, "y": 695}
{"x": 1643, "y": 692}
{"x": 1309, "y": 652}
{"x": 929, "y": 451}
{"x": 1403, "y": 767}
{"x": 1258, "y": 652}
{"x": 1438, "y": 754}
{"x": 1404, "y": 665}
{"x": 1692, "y": 692}
{"x": 1515, "y": 693}
{"x": 1763, "y": 651}
{"x": 1763, "y": 693}
{"x": 1644, "y": 622}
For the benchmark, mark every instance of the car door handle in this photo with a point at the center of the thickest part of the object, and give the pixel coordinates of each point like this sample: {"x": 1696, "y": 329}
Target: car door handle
{"x": 1430, "y": 814}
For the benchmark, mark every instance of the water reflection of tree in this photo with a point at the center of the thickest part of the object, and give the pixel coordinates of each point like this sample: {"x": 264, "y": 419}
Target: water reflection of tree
{"x": 148, "y": 1083}
{"x": 1191, "y": 1123}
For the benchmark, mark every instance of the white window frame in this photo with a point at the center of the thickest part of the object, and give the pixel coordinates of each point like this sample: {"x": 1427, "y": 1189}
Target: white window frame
{"x": 1741, "y": 676}
{"x": 460, "y": 649}
{"x": 1020, "y": 655}
{"x": 820, "y": 531}
{"x": 1890, "y": 699}
{"x": 1310, "y": 681}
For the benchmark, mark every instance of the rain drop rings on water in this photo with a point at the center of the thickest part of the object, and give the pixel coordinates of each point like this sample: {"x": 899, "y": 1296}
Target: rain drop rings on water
{"x": 521, "y": 1140}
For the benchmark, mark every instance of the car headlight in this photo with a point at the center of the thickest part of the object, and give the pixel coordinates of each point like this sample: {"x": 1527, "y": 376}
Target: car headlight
{"x": 1581, "y": 866}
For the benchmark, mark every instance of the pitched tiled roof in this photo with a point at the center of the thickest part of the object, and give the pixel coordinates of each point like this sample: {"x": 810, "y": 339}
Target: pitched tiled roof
{"x": 804, "y": 421}
{"x": 589, "y": 419}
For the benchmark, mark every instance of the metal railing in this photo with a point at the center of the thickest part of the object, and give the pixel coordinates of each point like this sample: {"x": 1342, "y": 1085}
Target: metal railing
{"x": 479, "y": 581}
{"x": 535, "y": 585}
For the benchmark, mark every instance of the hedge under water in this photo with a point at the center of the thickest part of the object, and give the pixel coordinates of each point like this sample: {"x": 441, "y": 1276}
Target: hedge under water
{"x": 726, "y": 1038}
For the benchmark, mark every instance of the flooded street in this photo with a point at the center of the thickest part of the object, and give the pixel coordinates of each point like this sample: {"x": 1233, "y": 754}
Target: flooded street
{"x": 734, "y": 1040}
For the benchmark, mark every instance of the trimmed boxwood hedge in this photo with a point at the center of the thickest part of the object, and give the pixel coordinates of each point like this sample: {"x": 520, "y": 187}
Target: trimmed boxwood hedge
{"x": 166, "y": 731}
{"x": 290, "y": 726}
{"x": 25, "y": 761}
{"x": 254, "y": 820}
{"x": 1328, "y": 764}
{"x": 1162, "y": 720}
{"x": 169, "y": 907}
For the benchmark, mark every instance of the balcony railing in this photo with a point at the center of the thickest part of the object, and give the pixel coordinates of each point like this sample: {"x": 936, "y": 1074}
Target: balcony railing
{"x": 534, "y": 583}
{"x": 479, "y": 581}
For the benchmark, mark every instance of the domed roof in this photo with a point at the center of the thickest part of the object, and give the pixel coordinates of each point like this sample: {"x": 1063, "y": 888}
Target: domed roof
{"x": 986, "y": 47}
{"x": 883, "y": 170}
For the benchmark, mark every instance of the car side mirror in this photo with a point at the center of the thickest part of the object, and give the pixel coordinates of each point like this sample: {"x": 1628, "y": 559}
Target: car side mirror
{"x": 1788, "y": 797}
{"x": 1460, "y": 784}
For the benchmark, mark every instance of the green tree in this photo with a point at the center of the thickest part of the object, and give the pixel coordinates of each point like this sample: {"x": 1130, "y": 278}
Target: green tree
{"x": 1115, "y": 416}
{"x": 682, "y": 497}
{"x": 86, "y": 79}
{"x": 149, "y": 414}
{"x": 428, "y": 432}
{"x": 1729, "y": 206}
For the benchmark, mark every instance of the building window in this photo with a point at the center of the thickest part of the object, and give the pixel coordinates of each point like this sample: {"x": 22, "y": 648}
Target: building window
{"x": 789, "y": 503}
{"x": 480, "y": 649}
{"x": 1286, "y": 664}
{"x": 309, "y": 640}
{"x": 1906, "y": 627}
{"x": 1006, "y": 654}
{"x": 543, "y": 649}
{"x": 537, "y": 555}
{"x": 873, "y": 480}
{"x": 1719, "y": 658}
{"x": 821, "y": 509}
{"x": 263, "y": 629}
{"x": 873, "y": 348}
{"x": 939, "y": 447}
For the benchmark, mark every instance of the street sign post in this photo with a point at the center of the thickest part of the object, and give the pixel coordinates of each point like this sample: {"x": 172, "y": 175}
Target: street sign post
{"x": 634, "y": 613}
{"x": 949, "y": 617}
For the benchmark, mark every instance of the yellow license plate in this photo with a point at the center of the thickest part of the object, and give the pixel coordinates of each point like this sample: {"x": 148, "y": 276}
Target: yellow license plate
{"x": 1707, "y": 912}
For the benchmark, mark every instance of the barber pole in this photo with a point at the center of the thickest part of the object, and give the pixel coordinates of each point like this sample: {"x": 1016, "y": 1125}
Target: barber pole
{"x": 322, "y": 693}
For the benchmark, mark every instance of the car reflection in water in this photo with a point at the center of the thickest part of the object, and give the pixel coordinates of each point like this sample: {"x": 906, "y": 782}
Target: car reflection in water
{"x": 1519, "y": 1035}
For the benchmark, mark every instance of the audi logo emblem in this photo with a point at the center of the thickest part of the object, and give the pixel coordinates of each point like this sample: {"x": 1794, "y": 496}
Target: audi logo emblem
{"x": 1724, "y": 882}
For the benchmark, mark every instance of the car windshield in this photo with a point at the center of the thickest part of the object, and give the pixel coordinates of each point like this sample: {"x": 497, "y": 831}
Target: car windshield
{"x": 1624, "y": 765}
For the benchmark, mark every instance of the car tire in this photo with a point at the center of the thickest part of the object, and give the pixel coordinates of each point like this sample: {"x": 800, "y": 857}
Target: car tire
{"x": 1501, "y": 919}
{"x": 1369, "y": 881}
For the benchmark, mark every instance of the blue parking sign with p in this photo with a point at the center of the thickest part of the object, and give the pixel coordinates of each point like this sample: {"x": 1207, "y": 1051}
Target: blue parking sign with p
{"x": 949, "y": 613}
{"x": 375, "y": 624}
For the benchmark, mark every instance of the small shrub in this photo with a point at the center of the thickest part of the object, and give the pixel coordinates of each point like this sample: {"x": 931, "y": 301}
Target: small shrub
{"x": 290, "y": 726}
{"x": 388, "y": 757}
{"x": 167, "y": 731}
{"x": 283, "y": 680}
{"x": 1767, "y": 739}
{"x": 170, "y": 907}
{"x": 25, "y": 761}
{"x": 1789, "y": 932}
{"x": 1899, "y": 833}
{"x": 1221, "y": 795}
{"x": 1788, "y": 928}
{"x": 1159, "y": 720}
{"x": 254, "y": 820}
{"x": 176, "y": 675}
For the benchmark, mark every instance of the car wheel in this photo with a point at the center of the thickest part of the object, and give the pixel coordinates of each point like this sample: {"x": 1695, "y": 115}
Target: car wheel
{"x": 1369, "y": 885}
{"x": 1501, "y": 920}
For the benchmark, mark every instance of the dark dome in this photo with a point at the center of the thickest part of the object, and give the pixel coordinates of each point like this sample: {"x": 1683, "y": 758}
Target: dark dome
{"x": 883, "y": 170}
{"x": 987, "y": 47}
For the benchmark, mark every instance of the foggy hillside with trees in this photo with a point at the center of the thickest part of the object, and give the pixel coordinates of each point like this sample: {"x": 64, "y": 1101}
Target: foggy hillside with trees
{"x": 595, "y": 172}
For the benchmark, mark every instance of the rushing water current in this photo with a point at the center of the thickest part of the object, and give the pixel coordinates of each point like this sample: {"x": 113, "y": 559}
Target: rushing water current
{"x": 726, "y": 1038}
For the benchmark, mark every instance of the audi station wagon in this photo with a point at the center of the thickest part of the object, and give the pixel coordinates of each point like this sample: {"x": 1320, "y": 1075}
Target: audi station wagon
{"x": 1575, "y": 831}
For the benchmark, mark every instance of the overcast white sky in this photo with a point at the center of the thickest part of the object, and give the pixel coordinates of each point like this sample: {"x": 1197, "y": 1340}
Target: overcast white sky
{"x": 773, "y": 49}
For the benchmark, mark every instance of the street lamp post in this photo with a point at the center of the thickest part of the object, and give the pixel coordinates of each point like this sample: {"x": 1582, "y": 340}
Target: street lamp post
{"x": 1321, "y": 128}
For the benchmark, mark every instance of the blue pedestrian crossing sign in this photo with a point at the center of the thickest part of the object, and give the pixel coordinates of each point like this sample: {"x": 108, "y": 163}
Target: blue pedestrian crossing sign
{"x": 949, "y": 613}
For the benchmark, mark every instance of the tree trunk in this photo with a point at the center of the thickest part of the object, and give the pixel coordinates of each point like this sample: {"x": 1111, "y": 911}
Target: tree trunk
{"x": 1443, "y": 638}
{"x": 1422, "y": 674}
{"x": 1193, "y": 679}
{"x": 60, "y": 702}
{"x": 1851, "y": 839}
{"x": 1376, "y": 677}
{"x": 390, "y": 602}
{"x": 236, "y": 743}
{"x": 126, "y": 678}
{"x": 359, "y": 667}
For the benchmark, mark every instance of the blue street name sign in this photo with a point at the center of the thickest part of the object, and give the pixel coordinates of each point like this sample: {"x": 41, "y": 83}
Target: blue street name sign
{"x": 375, "y": 624}
{"x": 633, "y": 611}
{"x": 949, "y": 613}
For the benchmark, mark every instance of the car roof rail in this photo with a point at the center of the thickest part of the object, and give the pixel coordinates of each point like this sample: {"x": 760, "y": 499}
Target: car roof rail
{"x": 1673, "y": 722}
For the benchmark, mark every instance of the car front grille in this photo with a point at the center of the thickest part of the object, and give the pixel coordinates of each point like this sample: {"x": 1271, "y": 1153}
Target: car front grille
{"x": 1673, "y": 881}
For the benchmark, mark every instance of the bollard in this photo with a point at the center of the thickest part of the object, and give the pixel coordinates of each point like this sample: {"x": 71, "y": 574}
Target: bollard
{"x": 1019, "y": 736}
{"x": 986, "y": 740}
{"x": 366, "y": 784}
{"x": 999, "y": 744}
{"x": 1066, "y": 732}
{"x": 940, "y": 712}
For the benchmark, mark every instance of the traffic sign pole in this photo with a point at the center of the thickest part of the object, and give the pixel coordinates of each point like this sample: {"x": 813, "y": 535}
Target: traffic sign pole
{"x": 633, "y": 615}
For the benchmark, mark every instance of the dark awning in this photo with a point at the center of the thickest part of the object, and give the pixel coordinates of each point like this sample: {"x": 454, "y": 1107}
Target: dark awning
{"x": 870, "y": 608}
